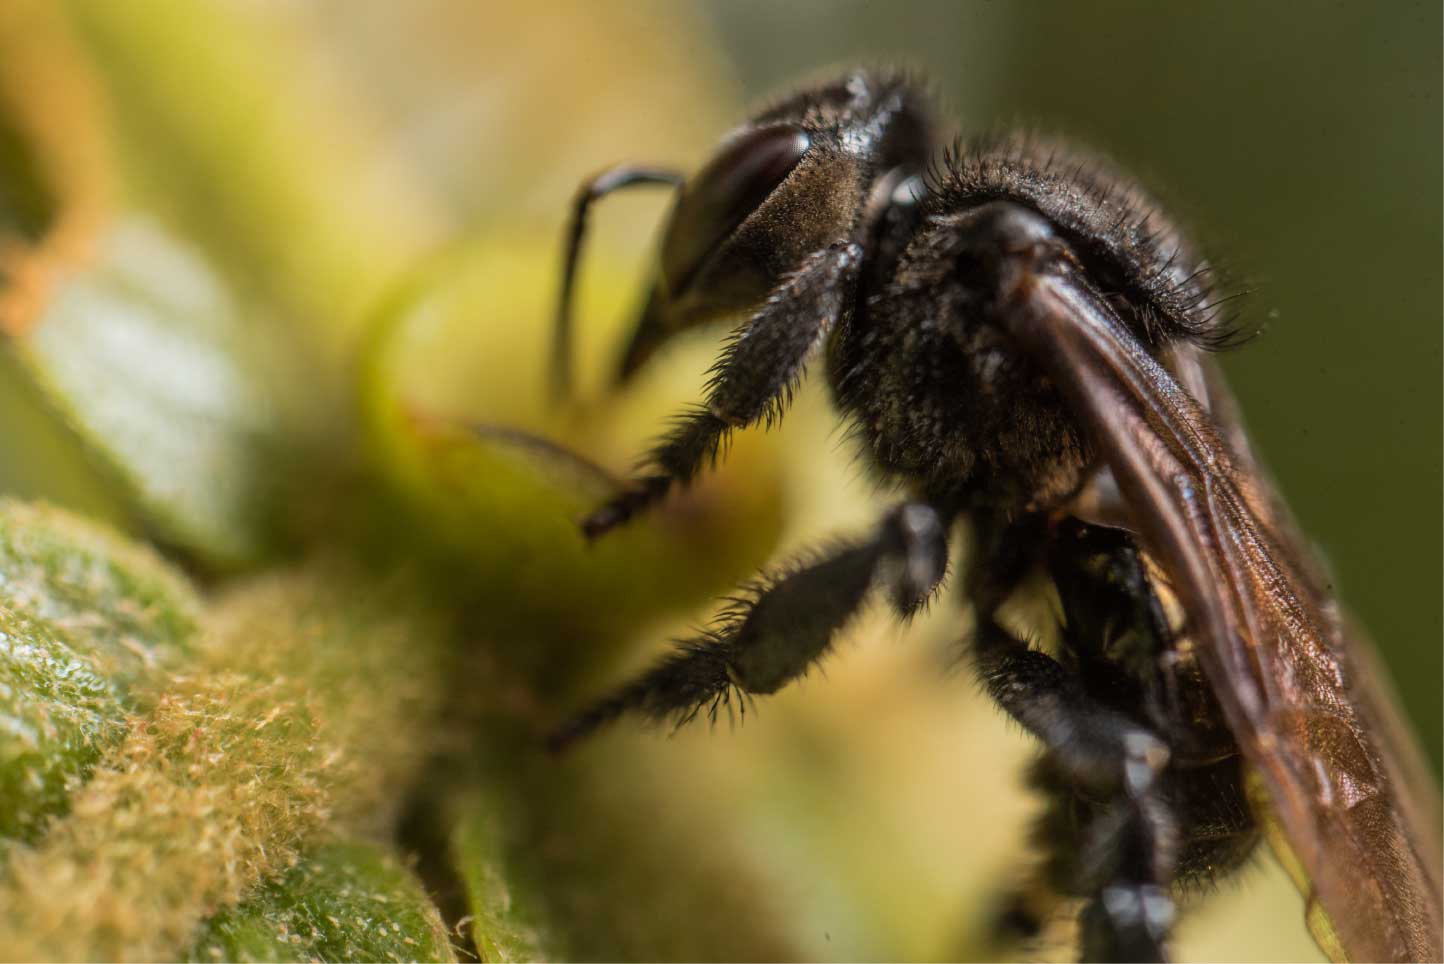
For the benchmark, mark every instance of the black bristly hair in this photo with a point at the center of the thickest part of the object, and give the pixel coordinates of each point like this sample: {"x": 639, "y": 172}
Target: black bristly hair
{"x": 1132, "y": 249}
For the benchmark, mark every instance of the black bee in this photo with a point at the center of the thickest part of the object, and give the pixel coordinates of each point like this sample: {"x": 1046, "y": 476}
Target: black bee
{"x": 1018, "y": 338}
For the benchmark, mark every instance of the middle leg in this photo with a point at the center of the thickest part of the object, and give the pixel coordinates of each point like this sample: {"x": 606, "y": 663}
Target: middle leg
{"x": 784, "y": 626}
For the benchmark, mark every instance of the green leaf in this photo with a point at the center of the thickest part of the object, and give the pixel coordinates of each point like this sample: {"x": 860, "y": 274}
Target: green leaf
{"x": 501, "y": 908}
{"x": 114, "y": 601}
{"x": 56, "y": 715}
{"x": 204, "y": 412}
{"x": 309, "y": 708}
{"x": 84, "y": 618}
{"x": 56, "y": 467}
{"x": 146, "y": 356}
{"x": 341, "y": 902}
{"x": 54, "y": 184}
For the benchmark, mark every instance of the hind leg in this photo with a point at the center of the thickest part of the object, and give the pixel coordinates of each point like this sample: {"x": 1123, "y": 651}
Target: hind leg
{"x": 1111, "y": 838}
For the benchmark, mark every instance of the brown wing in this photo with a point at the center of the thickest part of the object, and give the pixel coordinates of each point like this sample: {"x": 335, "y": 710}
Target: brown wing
{"x": 1304, "y": 705}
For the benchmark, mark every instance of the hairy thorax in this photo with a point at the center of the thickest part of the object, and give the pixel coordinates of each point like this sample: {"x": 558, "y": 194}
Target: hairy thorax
{"x": 939, "y": 400}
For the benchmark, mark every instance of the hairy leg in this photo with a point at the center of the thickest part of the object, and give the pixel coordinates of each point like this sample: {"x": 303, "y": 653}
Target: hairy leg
{"x": 1131, "y": 911}
{"x": 752, "y": 381}
{"x": 1112, "y": 838}
{"x": 782, "y": 627}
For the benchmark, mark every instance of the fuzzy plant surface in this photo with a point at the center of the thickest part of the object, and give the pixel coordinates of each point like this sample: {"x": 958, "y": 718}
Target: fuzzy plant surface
{"x": 290, "y": 580}
{"x": 278, "y": 631}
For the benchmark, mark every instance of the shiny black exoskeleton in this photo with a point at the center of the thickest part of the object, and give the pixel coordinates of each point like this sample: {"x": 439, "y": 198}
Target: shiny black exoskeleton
{"x": 922, "y": 280}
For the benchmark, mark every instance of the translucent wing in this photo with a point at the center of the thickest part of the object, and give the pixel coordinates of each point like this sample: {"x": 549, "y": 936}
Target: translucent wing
{"x": 1306, "y": 703}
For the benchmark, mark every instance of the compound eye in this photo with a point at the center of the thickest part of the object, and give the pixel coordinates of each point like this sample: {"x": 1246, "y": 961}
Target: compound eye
{"x": 723, "y": 194}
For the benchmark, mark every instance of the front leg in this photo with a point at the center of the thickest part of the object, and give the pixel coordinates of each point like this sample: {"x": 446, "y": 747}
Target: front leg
{"x": 592, "y": 190}
{"x": 783, "y": 626}
{"x": 752, "y": 381}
